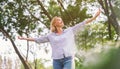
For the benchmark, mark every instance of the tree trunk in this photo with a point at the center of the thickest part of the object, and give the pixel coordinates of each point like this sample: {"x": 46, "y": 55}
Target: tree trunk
{"x": 109, "y": 12}
{"x": 114, "y": 19}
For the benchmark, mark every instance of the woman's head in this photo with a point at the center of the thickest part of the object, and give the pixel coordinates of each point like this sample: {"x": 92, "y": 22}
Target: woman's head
{"x": 55, "y": 23}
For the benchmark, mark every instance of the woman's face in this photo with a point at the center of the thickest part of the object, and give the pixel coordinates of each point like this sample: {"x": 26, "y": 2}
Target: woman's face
{"x": 59, "y": 22}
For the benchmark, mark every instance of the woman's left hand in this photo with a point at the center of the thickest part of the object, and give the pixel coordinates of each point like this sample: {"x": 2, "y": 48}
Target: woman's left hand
{"x": 93, "y": 18}
{"x": 98, "y": 12}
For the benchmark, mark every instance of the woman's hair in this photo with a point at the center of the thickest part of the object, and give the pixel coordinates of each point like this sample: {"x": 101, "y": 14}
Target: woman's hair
{"x": 52, "y": 24}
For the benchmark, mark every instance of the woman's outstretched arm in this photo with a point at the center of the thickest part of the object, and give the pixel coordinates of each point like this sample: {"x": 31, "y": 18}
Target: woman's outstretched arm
{"x": 28, "y": 39}
{"x": 41, "y": 39}
{"x": 94, "y": 17}
{"x": 80, "y": 26}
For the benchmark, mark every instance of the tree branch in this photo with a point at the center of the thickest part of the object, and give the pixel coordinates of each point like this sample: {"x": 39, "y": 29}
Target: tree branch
{"x": 113, "y": 19}
{"x": 45, "y": 11}
{"x": 34, "y": 16}
{"x": 59, "y": 1}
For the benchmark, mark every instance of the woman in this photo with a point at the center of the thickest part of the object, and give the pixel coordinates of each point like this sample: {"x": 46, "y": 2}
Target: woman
{"x": 62, "y": 41}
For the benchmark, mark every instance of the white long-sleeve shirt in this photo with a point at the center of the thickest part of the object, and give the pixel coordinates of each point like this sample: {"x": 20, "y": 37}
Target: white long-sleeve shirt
{"x": 63, "y": 44}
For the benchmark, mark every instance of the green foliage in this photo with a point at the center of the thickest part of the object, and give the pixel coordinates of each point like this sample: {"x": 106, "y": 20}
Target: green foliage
{"x": 79, "y": 62}
{"x": 117, "y": 11}
{"x": 14, "y": 17}
{"x": 69, "y": 16}
{"x": 107, "y": 60}
{"x": 92, "y": 35}
{"x": 116, "y": 8}
{"x": 37, "y": 64}
{"x": 54, "y": 9}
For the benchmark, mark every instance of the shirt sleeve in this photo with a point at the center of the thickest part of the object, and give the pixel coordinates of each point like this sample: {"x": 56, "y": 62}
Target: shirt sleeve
{"x": 78, "y": 27}
{"x": 42, "y": 39}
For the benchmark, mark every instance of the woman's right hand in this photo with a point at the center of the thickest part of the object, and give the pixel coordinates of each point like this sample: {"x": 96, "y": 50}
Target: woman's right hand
{"x": 21, "y": 38}
{"x": 28, "y": 39}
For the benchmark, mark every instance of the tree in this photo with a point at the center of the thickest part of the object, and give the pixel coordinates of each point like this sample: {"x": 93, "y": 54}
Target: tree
{"x": 112, "y": 17}
{"x": 14, "y": 20}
